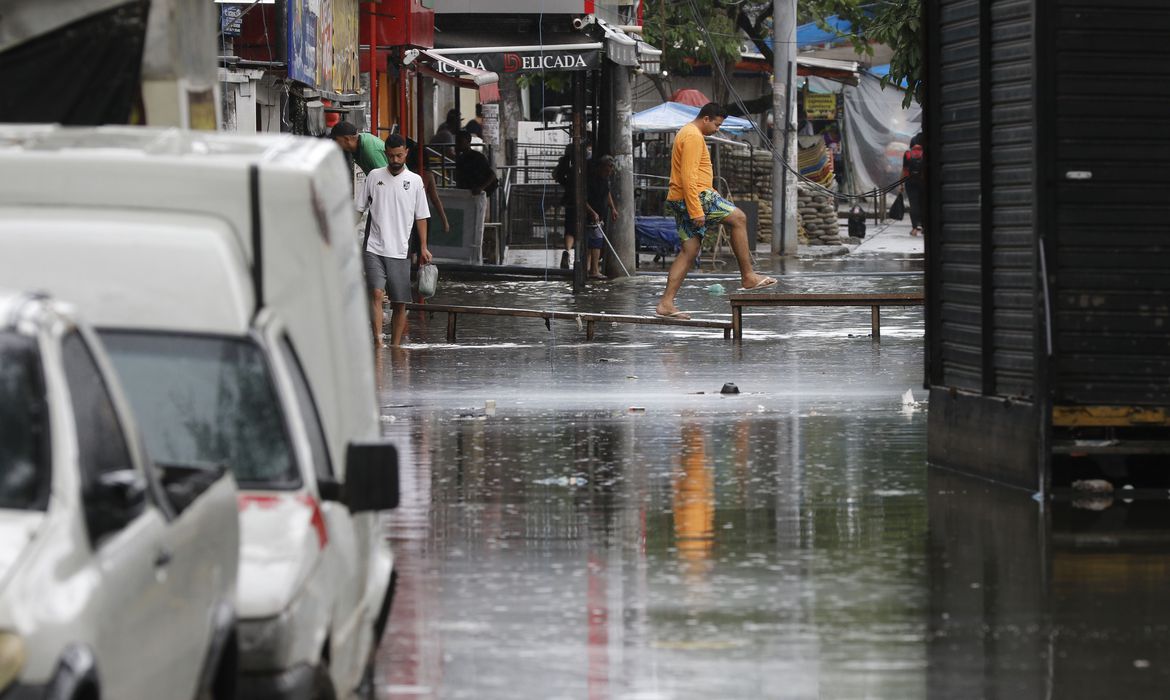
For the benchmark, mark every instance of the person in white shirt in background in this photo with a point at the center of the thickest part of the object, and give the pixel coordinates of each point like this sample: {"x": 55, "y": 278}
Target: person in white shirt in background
{"x": 396, "y": 199}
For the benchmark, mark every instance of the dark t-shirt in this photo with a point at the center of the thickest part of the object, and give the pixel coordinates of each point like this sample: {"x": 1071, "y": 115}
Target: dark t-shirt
{"x": 474, "y": 127}
{"x": 471, "y": 170}
{"x": 597, "y": 194}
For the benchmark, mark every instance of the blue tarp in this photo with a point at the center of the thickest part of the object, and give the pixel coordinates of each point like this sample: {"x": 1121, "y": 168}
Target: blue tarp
{"x": 884, "y": 70}
{"x": 672, "y": 116}
{"x": 812, "y": 36}
{"x": 657, "y": 233}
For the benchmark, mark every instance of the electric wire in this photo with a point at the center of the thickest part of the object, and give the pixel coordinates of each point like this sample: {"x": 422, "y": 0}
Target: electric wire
{"x": 777, "y": 155}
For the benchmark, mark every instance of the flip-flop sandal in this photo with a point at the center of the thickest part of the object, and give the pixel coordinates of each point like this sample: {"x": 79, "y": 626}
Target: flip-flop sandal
{"x": 766, "y": 282}
{"x": 680, "y": 315}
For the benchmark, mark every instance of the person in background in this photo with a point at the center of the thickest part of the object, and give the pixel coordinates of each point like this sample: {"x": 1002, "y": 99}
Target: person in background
{"x": 368, "y": 151}
{"x": 698, "y": 208}
{"x": 914, "y": 185}
{"x": 474, "y": 126}
{"x": 474, "y": 174}
{"x": 396, "y": 200}
{"x": 454, "y": 121}
{"x": 601, "y": 210}
{"x": 564, "y": 175}
{"x": 443, "y": 136}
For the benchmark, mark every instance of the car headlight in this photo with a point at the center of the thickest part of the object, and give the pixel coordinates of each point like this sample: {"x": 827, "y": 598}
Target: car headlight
{"x": 11, "y": 658}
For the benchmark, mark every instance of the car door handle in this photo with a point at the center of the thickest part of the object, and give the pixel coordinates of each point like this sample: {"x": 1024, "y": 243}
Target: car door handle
{"x": 162, "y": 559}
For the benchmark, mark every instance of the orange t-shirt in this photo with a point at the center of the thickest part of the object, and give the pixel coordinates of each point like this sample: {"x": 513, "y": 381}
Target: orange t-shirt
{"x": 690, "y": 169}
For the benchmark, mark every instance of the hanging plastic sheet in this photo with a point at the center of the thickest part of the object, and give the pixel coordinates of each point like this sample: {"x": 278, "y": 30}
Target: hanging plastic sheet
{"x": 877, "y": 130}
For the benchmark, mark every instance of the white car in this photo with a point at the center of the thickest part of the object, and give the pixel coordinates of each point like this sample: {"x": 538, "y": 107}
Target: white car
{"x": 223, "y": 274}
{"x": 117, "y": 575}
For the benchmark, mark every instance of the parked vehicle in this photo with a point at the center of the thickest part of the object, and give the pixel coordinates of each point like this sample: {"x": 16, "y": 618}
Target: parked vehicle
{"x": 223, "y": 273}
{"x": 102, "y": 553}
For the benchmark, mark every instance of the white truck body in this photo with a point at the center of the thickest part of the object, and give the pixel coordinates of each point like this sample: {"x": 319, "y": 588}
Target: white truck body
{"x": 250, "y": 238}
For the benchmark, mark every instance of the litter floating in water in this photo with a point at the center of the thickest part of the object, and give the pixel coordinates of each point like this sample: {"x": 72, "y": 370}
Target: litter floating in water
{"x": 562, "y": 481}
{"x": 909, "y": 405}
{"x": 489, "y": 407}
{"x": 729, "y": 388}
{"x": 1092, "y": 486}
{"x": 637, "y": 409}
{"x": 716, "y": 288}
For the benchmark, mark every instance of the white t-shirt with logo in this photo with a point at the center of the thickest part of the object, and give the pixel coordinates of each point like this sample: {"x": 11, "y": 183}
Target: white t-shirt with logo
{"x": 395, "y": 203}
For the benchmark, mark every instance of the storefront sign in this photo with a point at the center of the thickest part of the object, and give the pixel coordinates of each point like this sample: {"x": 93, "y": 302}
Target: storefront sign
{"x": 323, "y": 44}
{"x": 231, "y": 19}
{"x": 491, "y": 123}
{"x": 525, "y": 61}
{"x": 818, "y": 106}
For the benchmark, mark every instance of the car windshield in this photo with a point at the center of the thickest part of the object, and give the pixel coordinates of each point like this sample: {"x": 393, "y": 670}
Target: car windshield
{"x": 206, "y": 399}
{"x": 24, "y": 471}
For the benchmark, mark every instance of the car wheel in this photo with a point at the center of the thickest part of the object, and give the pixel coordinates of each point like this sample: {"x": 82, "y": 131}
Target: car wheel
{"x": 323, "y": 684}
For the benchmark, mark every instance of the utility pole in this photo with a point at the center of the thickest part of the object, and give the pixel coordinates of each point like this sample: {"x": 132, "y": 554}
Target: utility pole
{"x": 784, "y": 235}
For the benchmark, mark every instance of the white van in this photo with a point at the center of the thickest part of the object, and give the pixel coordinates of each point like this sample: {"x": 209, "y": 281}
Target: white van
{"x": 102, "y": 552}
{"x": 222, "y": 272}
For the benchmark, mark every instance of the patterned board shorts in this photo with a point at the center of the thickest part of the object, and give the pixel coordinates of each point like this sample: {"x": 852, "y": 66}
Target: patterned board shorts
{"x": 715, "y": 209}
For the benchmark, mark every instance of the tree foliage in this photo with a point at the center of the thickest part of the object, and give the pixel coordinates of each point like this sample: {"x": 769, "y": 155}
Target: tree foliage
{"x": 671, "y": 25}
{"x": 895, "y": 23}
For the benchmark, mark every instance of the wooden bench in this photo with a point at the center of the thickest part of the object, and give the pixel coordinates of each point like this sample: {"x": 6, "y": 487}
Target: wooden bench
{"x": 874, "y": 301}
{"x": 589, "y": 319}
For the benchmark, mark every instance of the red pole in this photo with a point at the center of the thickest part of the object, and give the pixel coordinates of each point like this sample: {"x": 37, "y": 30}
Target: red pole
{"x": 373, "y": 69}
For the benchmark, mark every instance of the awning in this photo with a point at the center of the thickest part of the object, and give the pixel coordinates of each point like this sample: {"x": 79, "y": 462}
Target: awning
{"x": 448, "y": 70}
{"x": 621, "y": 48}
{"x": 650, "y": 58}
{"x": 840, "y": 71}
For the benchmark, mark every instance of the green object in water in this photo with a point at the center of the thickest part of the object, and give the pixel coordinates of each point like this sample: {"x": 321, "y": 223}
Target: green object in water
{"x": 716, "y": 289}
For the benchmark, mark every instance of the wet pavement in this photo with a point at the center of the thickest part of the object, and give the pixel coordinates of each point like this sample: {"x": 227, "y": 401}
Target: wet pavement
{"x": 595, "y": 520}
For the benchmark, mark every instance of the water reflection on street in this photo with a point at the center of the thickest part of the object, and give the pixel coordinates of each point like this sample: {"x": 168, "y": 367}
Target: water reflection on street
{"x": 597, "y": 520}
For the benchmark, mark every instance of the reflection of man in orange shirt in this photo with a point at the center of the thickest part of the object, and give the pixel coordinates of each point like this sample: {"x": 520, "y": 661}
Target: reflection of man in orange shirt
{"x": 694, "y": 503}
{"x": 696, "y": 206}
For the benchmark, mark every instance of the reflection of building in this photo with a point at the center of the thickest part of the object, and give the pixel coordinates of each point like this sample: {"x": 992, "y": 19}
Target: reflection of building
{"x": 1034, "y": 601}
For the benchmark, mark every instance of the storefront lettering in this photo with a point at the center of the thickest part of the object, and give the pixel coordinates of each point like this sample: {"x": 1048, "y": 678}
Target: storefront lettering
{"x": 469, "y": 62}
{"x": 518, "y": 63}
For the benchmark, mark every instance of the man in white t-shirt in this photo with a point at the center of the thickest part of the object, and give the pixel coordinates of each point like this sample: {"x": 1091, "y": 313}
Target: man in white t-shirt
{"x": 396, "y": 201}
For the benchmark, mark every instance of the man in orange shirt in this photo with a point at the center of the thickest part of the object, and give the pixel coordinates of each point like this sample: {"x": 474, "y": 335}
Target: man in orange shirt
{"x": 698, "y": 208}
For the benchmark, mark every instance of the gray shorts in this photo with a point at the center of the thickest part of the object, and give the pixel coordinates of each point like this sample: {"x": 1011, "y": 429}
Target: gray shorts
{"x": 391, "y": 274}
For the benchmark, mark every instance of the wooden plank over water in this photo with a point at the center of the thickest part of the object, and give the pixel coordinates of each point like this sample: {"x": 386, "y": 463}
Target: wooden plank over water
{"x": 590, "y": 319}
{"x": 873, "y": 300}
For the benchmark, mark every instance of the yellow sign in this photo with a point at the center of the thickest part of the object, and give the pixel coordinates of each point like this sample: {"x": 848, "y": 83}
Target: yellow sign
{"x": 817, "y": 106}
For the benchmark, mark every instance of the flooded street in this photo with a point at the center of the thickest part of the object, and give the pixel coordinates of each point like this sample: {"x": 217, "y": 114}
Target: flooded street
{"x": 596, "y": 520}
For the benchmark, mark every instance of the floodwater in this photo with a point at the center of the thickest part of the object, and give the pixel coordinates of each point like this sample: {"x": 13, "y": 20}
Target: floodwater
{"x": 595, "y": 520}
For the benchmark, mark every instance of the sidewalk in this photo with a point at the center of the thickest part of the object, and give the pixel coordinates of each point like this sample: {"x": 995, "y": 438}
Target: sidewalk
{"x": 889, "y": 238}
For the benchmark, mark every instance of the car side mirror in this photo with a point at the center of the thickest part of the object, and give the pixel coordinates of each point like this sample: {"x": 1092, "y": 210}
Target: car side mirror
{"x": 371, "y": 476}
{"x": 330, "y": 489}
{"x": 113, "y": 500}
